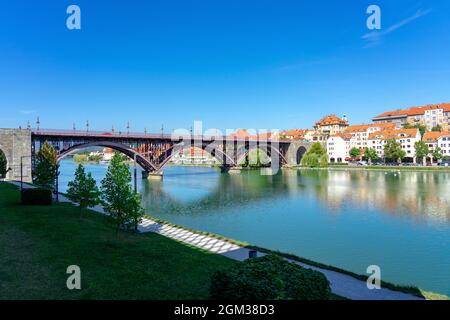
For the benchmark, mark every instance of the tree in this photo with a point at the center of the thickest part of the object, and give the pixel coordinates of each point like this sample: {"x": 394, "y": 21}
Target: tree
{"x": 371, "y": 155}
{"x": 118, "y": 198}
{"x": 316, "y": 156}
{"x": 422, "y": 150}
{"x": 437, "y": 154}
{"x": 437, "y": 128}
{"x": 3, "y": 165}
{"x": 354, "y": 152}
{"x": 393, "y": 150}
{"x": 46, "y": 168}
{"x": 83, "y": 189}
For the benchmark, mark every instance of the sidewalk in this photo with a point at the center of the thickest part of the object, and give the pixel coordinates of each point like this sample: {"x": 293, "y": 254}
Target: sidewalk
{"x": 341, "y": 284}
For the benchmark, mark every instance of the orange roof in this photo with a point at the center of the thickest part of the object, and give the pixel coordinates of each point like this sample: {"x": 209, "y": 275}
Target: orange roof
{"x": 330, "y": 120}
{"x": 432, "y": 136}
{"x": 240, "y": 134}
{"x": 394, "y": 134}
{"x": 365, "y": 127}
{"x": 414, "y": 111}
{"x": 343, "y": 135}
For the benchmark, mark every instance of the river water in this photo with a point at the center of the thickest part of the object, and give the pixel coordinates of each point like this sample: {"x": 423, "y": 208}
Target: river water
{"x": 399, "y": 221}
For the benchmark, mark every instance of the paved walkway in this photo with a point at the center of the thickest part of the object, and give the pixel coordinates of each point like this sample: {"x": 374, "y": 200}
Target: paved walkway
{"x": 341, "y": 284}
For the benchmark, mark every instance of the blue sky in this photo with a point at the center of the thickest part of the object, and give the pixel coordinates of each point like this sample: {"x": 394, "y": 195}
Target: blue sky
{"x": 231, "y": 64}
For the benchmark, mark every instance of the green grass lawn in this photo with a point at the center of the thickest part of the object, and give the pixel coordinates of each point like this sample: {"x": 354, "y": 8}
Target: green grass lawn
{"x": 37, "y": 244}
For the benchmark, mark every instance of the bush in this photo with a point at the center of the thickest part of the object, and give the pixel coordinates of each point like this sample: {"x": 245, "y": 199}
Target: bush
{"x": 269, "y": 278}
{"x": 36, "y": 197}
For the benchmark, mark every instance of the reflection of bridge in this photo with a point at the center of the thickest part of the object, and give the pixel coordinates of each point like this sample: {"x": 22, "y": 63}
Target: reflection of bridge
{"x": 150, "y": 151}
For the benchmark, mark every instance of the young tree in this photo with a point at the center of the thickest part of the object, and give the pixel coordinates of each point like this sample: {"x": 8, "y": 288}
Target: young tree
{"x": 422, "y": 151}
{"x": 371, "y": 155}
{"x": 437, "y": 154}
{"x": 3, "y": 165}
{"x": 316, "y": 156}
{"x": 118, "y": 198}
{"x": 354, "y": 152}
{"x": 393, "y": 150}
{"x": 136, "y": 212}
{"x": 83, "y": 189}
{"x": 46, "y": 169}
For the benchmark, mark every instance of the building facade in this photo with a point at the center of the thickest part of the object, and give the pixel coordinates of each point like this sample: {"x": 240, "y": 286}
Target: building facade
{"x": 406, "y": 137}
{"x": 429, "y": 116}
{"x": 329, "y": 126}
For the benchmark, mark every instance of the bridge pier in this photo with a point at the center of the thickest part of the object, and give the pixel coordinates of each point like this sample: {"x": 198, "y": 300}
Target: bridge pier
{"x": 157, "y": 175}
{"x": 16, "y": 146}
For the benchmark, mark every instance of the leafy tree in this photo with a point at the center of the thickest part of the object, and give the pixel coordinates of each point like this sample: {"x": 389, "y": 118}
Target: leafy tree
{"x": 422, "y": 150}
{"x": 3, "y": 164}
{"x": 393, "y": 150}
{"x": 354, "y": 152}
{"x": 46, "y": 168}
{"x": 437, "y": 153}
{"x": 316, "y": 156}
{"x": 118, "y": 198}
{"x": 83, "y": 190}
{"x": 437, "y": 128}
{"x": 371, "y": 155}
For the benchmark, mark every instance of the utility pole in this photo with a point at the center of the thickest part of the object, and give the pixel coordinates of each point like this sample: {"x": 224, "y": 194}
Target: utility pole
{"x": 87, "y": 126}
{"x": 37, "y": 123}
{"x": 74, "y": 127}
{"x": 128, "y": 128}
{"x": 162, "y": 131}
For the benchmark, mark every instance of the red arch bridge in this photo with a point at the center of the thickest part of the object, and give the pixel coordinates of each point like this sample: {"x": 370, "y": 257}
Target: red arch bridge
{"x": 153, "y": 151}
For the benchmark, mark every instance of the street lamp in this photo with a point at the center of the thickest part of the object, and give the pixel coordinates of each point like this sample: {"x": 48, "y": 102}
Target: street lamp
{"x": 135, "y": 175}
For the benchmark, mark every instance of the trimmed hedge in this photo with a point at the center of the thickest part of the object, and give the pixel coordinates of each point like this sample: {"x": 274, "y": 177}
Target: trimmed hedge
{"x": 36, "y": 196}
{"x": 269, "y": 278}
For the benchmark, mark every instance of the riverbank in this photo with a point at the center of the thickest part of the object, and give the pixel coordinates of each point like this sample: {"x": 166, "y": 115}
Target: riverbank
{"x": 377, "y": 168}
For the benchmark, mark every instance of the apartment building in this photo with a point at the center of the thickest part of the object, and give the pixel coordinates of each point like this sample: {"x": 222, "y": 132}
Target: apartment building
{"x": 338, "y": 147}
{"x": 360, "y": 133}
{"x": 406, "y": 137}
{"x": 438, "y": 139}
{"x": 429, "y": 116}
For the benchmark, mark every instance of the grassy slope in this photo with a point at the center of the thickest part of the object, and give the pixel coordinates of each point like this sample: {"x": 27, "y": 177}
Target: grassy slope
{"x": 37, "y": 244}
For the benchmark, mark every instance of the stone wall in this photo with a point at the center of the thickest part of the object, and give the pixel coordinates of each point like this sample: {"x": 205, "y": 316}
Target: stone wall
{"x": 16, "y": 145}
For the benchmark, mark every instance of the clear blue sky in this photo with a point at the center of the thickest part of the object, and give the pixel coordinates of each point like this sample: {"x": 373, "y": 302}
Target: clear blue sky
{"x": 230, "y": 63}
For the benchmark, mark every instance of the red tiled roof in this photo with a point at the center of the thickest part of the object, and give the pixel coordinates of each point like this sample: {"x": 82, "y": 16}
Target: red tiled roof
{"x": 414, "y": 111}
{"x": 365, "y": 127}
{"x": 331, "y": 120}
{"x": 433, "y": 136}
{"x": 394, "y": 134}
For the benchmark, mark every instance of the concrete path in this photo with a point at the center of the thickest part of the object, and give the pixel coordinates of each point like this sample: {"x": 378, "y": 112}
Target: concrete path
{"x": 341, "y": 284}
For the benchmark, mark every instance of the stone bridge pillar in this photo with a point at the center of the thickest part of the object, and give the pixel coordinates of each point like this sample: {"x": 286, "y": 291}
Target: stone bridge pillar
{"x": 296, "y": 151}
{"x": 16, "y": 145}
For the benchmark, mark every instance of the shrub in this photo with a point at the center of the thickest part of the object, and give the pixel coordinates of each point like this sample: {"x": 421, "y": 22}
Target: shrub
{"x": 36, "y": 197}
{"x": 269, "y": 278}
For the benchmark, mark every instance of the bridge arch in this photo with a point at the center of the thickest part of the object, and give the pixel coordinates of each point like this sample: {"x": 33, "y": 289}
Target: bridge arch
{"x": 141, "y": 160}
{"x": 213, "y": 151}
{"x": 264, "y": 148}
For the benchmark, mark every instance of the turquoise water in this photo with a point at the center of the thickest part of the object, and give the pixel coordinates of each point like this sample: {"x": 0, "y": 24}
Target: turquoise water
{"x": 349, "y": 219}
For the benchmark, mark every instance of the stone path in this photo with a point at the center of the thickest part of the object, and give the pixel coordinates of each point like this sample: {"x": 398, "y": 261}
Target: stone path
{"x": 341, "y": 284}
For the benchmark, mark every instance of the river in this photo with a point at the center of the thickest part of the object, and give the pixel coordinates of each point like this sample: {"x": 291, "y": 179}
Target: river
{"x": 399, "y": 221}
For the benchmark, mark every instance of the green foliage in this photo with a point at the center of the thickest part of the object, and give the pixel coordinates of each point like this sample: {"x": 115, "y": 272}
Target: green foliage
{"x": 46, "y": 169}
{"x": 3, "y": 165}
{"x": 269, "y": 278}
{"x": 36, "y": 196}
{"x": 437, "y": 128}
{"x": 83, "y": 190}
{"x": 118, "y": 198}
{"x": 79, "y": 158}
{"x": 393, "y": 150}
{"x": 422, "y": 150}
{"x": 371, "y": 155}
{"x": 315, "y": 157}
{"x": 354, "y": 152}
{"x": 437, "y": 153}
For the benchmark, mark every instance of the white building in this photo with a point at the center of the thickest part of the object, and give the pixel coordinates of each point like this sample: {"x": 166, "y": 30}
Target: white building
{"x": 438, "y": 139}
{"x": 360, "y": 133}
{"x": 338, "y": 147}
{"x": 406, "y": 137}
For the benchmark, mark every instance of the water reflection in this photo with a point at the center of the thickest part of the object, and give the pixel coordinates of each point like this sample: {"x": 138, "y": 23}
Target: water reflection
{"x": 423, "y": 196}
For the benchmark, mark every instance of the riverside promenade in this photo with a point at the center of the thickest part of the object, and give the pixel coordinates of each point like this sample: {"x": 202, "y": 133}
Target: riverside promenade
{"x": 341, "y": 284}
